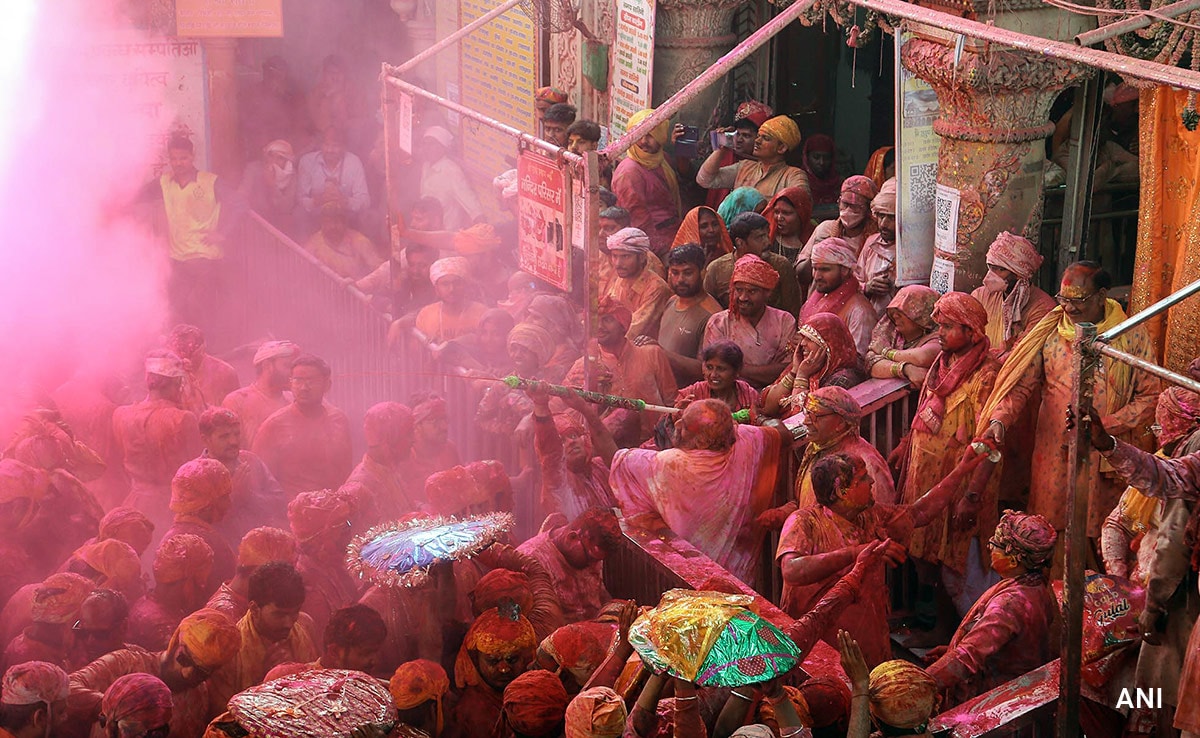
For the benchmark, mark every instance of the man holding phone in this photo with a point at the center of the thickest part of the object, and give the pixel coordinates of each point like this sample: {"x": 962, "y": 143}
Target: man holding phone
{"x": 770, "y": 173}
{"x": 736, "y": 142}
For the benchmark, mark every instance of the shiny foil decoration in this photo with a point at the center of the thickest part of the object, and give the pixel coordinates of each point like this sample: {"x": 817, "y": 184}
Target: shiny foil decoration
{"x": 712, "y": 639}
{"x": 314, "y": 704}
{"x": 401, "y": 554}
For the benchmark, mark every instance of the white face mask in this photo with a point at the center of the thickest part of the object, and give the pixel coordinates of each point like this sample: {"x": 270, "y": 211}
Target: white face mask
{"x": 993, "y": 282}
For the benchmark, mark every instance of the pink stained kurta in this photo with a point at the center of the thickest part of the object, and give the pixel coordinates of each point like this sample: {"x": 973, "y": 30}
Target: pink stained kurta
{"x": 652, "y": 205}
{"x": 856, "y": 312}
{"x": 708, "y": 498}
{"x": 214, "y": 379}
{"x": 563, "y": 490}
{"x": 1037, "y": 307}
{"x": 767, "y": 342}
{"x": 328, "y": 587}
{"x": 641, "y": 372}
{"x": 253, "y": 407}
{"x": 852, "y": 445}
{"x": 646, "y": 297}
{"x": 1052, "y": 372}
{"x": 747, "y": 396}
{"x": 1004, "y": 635}
{"x": 815, "y": 530}
{"x": 382, "y": 493}
{"x": 877, "y": 260}
{"x": 304, "y": 452}
{"x": 155, "y": 438}
{"x": 581, "y": 592}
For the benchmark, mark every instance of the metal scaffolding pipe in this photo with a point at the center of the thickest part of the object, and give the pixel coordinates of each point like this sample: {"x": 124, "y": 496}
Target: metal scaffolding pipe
{"x": 432, "y": 51}
{"x": 1148, "y": 367}
{"x": 1184, "y": 79}
{"x": 529, "y": 140}
{"x": 719, "y": 68}
{"x": 1135, "y": 23}
{"x": 1150, "y": 312}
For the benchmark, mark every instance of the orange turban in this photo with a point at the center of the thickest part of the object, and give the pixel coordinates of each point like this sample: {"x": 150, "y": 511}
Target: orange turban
{"x": 20, "y": 480}
{"x": 550, "y": 95}
{"x": 210, "y": 637}
{"x": 750, "y": 269}
{"x": 125, "y": 524}
{"x": 313, "y": 513}
{"x": 418, "y": 682}
{"x": 117, "y": 562}
{"x": 499, "y": 585}
{"x": 387, "y": 422}
{"x": 265, "y": 544}
{"x": 903, "y": 695}
{"x": 535, "y": 703}
{"x": 493, "y": 483}
{"x": 181, "y": 557}
{"x": 836, "y": 400}
{"x": 618, "y": 310}
{"x": 32, "y": 682}
{"x": 580, "y": 648}
{"x": 492, "y": 634}
{"x": 598, "y": 712}
{"x": 454, "y": 490}
{"x": 432, "y": 409}
{"x": 57, "y": 599}
{"x": 198, "y": 484}
{"x": 961, "y": 308}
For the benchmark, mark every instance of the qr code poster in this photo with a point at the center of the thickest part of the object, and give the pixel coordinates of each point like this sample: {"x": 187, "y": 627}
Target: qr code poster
{"x": 945, "y": 222}
{"x": 941, "y": 279}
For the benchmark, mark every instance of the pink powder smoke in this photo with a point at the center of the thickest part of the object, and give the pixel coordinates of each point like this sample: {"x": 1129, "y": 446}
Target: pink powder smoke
{"x": 81, "y": 278}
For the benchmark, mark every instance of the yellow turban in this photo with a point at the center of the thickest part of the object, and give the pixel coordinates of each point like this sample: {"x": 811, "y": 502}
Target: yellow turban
{"x": 661, "y": 132}
{"x": 266, "y": 544}
{"x": 210, "y": 637}
{"x": 782, "y": 129}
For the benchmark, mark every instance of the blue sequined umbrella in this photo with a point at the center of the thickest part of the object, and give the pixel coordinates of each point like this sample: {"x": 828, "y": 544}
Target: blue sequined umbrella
{"x": 401, "y": 554}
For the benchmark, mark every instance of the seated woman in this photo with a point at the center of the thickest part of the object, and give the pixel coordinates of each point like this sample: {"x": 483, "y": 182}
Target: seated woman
{"x": 825, "y": 357}
{"x": 702, "y": 225}
{"x": 741, "y": 200}
{"x": 905, "y": 343}
{"x": 721, "y": 363}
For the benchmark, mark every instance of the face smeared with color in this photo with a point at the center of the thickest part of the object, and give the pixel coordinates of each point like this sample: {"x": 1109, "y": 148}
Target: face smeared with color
{"x": 497, "y": 671}
{"x": 1079, "y": 298}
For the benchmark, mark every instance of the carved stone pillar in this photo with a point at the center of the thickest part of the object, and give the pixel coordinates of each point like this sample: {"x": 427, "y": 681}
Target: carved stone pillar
{"x": 994, "y": 104}
{"x": 689, "y": 36}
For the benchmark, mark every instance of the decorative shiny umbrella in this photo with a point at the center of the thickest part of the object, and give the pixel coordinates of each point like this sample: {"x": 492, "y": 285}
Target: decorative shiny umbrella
{"x": 401, "y": 554}
{"x": 314, "y": 704}
{"x": 712, "y": 639}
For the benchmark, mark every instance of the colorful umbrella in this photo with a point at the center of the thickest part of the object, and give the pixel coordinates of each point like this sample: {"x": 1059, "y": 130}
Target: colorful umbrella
{"x": 314, "y": 704}
{"x": 400, "y": 554}
{"x": 712, "y": 639}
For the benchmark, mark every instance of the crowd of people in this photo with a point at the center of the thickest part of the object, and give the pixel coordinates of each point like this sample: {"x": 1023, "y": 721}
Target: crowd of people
{"x": 165, "y": 555}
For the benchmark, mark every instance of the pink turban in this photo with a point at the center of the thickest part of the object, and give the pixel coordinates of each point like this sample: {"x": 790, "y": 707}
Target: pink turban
{"x": 885, "y": 201}
{"x": 1026, "y": 537}
{"x": 753, "y": 111}
{"x": 198, "y": 484}
{"x": 618, "y": 310}
{"x": 535, "y": 703}
{"x": 598, "y": 712}
{"x": 387, "y": 422}
{"x": 136, "y": 704}
{"x": 433, "y": 408}
{"x": 1177, "y": 414}
{"x": 961, "y": 308}
{"x": 275, "y": 349}
{"x": 859, "y": 189}
{"x": 1014, "y": 253}
{"x": 836, "y": 400}
{"x": 451, "y": 266}
{"x": 265, "y": 544}
{"x": 32, "y": 682}
{"x": 750, "y": 269}
{"x": 834, "y": 250}
{"x": 313, "y": 513}
{"x": 631, "y": 240}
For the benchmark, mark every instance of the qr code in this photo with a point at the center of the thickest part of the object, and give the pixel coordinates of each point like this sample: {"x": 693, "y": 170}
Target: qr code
{"x": 940, "y": 282}
{"x": 922, "y": 185}
{"x": 944, "y": 213}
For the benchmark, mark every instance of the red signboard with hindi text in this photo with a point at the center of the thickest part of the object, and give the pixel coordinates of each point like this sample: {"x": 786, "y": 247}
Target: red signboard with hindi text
{"x": 544, "y": 219}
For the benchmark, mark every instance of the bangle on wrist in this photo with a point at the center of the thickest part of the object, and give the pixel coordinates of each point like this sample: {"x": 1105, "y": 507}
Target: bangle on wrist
{"x": 686, "y": 699}
{"x": 889, "y": 354}
{"x": 740, "y": 696}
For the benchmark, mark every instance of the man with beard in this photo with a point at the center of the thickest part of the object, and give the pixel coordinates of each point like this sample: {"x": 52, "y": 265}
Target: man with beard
{"x": 686, "y": 312}
{"x": 635, "y": 286}
{"x": 751, "y": 234}
{"x": 306, "y": 445}
{"x": 876, "y": 267}
{"x": 256, "y": 498}
{"x": 255, "y": 402}
{"x": 836, "y": 290}
{"x": 763, "y": 333}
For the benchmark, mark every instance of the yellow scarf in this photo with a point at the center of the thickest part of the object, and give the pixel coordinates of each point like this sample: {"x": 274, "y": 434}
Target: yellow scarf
{"x": 1029, "y": 348}
{"x": 661, "y": 133}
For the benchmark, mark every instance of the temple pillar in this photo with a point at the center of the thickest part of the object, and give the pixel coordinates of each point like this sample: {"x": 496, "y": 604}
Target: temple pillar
{"x": 689, "y": 37}
{"x": 994, "y": 105}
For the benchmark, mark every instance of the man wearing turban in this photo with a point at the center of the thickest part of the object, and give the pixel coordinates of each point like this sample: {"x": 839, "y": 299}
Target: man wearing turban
{"x": 876, "y": 267}
{"x": 746, "y": 119}
{"x": 598, "y": 712}
{"x": 709, "y": 488}
{"x": 257, "y": 547}
{"x": 1043, "y": 363}
{"x": 535, "y": 704}
{"x": 306, "y": 445}
{"x": 380, "y": 483}
{"x": 200, "y": 498}
{"x": 56, "y": 603}
{"x": 136, "y": 706}
{"x": 181, "y": 569}
{"x": 432, "y": 451}
{"x": 202, "y": 643}
{"x": 320, "y": 521}
{"x": 751, "y": 234}
{"x": 854, "y": 224}
{"x": 255, "y": 402}
{"x": 902, "y": 698}
{"x": 1007, "y": 632}
{"x": 1013, "y": 303}
{"x": 455, "y": 313}
{"x": 770, "y": 173}
{"x": 156, "y": 436}
{"x": 763, "y": 333}
{"x": 836, "y": 290}
{"x": 209, "y": 379}
{"x": 418, "y": 688}
{"x": 636, "y": 287}
{"x": 497, "y": 649}
{"x": 827, "y": 536}
{"x": 621, "y": 367}
{"x": 37, "y": 692}
{"x": 646, "y": 185}
{"x": 959, "y": 381}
